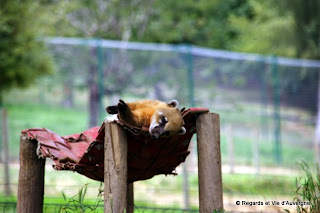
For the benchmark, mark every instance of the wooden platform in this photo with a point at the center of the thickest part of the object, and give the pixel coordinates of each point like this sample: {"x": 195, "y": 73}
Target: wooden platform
{"x": 84, "y": 152}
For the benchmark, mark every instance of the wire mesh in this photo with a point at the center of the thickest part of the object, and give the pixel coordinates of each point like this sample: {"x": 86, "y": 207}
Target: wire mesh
{"x": 267, "y": 104}
{"x": 272, "y": 97}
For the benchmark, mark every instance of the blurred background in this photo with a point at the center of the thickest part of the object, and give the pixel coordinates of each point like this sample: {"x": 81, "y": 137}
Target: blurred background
{"x": 253, "y": 62}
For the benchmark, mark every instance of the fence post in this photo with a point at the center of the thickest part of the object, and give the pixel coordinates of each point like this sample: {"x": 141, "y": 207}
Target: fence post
{"x": 130, "y": 198}
{"x": 100, "y": 79}
{"x": 255, "y": 151}
{"x": 209, "y": 162}
{"x": 31, "y": 178}
{"x": 115, "y": 169}
{"x": 5, "y": 140}
{"x": 230, "y": 145}
{"x": 276, "y": 110}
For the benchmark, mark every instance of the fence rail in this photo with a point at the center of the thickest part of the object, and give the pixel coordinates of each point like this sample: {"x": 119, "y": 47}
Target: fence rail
{"x": 182, "y": 48}
{"x": 268, "y": 102}
{"x": 273, "y": 97}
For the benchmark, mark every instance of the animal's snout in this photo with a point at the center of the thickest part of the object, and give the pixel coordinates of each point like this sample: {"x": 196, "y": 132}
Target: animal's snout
{"x": 155, "y": 136}
{"x": 155, "y": 132}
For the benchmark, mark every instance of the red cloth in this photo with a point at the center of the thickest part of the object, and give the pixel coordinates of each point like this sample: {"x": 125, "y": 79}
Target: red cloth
{"x": 84, "y": 152}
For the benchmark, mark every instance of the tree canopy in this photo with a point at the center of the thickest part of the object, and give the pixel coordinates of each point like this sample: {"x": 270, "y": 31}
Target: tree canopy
{"x": 306, "y": 27}
{"x": 22, "y": 54}
{"x": 266, "y": 27}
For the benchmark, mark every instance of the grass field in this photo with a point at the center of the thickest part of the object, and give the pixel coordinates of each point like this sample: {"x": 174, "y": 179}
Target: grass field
{"x": 68, "y": 121}
{"x": 60, "y": 120}
{"x": 159, "y": 191}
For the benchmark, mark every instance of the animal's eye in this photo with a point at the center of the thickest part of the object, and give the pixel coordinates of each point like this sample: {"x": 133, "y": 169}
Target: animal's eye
{"x": 164, "y": 120}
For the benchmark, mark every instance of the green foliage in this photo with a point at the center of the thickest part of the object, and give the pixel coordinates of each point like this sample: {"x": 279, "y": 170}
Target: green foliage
{"x": 307, "y": 23}
{"x": 117, "y": 19}
{"x": 218, "y": 211}
{"x": 268, "y": 31}
{"x": 77, "y": 202}
{"x": 22, "y": 55}
{"x": 202, "y": 23}
{"x": 52, "y": 16}
{"x": 308, "y": 190}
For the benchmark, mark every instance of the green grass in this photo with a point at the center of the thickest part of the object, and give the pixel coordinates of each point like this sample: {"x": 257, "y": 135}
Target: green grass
{"x": 308, "y": 189}
{"x": 266, "y": 185}
{"x": 149, "y": 192}
{"x": 243, "y": 152}
{"x": 60, "y": 120}
{"x": 245, "y": 184}
{"x": 68, "y": 121}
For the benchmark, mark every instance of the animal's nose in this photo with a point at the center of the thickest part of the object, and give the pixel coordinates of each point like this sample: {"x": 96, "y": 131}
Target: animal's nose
{"x": 155, "y": 132}
{"x": 155, "y": 136}
{"x": 155, "y": 129}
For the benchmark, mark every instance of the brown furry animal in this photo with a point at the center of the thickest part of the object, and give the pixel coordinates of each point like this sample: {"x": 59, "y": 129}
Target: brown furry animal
{"x": 163, "y": 119}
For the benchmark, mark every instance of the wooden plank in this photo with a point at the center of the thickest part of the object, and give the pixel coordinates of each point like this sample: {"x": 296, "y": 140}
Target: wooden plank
{"x": 31, "y": 178}
{"x": 209, "y": 162}
{"x": 130, "y": 198}
{"x": 115, "y": 169}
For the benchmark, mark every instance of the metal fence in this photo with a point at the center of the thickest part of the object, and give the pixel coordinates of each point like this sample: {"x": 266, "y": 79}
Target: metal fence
{"x": 268, "y": 99}
{"x": 267, "y": 104}
{"x": 261, "y": 99}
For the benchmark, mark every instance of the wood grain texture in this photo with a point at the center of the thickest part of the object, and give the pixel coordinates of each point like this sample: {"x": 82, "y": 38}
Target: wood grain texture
{"x": 115, "y": 169}
{"x": 209, "y": 163}
{"x": 31, "y": 178}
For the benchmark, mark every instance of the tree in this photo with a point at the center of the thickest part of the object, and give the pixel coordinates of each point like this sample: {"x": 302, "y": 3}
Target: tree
{"x": 203, "y": 23}
{"x": 117, "y": 19}
{"x": 307, "y": 35}
{"x": 22, "y": 54}
{"x": 268, "y": 30}
{"x": 306, "y": 25}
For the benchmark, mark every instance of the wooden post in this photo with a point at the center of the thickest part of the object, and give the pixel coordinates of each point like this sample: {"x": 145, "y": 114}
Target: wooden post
{"x": 185, "y": 187}
{"x": 209, "y": 163}
{"x": 230, "y": 147}
{"x": 130, "y": 198}
{"x": 115, "y": 169}
{"x": 31, "y": 178}
{"x": 5, "y": 140}
{"x": 255, "y": 148}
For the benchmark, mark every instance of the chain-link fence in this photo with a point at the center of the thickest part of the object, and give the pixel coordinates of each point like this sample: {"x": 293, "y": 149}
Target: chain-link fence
{"x": 267, "y": 104}
{"x": 268, "y": 99}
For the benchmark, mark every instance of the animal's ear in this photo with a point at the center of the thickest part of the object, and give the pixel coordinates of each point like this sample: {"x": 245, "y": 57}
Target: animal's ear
{"x": 174, "y": 104}
{"x": 182, "y": 131}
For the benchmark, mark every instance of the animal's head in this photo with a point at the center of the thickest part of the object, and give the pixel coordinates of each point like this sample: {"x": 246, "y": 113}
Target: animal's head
{"x": 167, "y": 121}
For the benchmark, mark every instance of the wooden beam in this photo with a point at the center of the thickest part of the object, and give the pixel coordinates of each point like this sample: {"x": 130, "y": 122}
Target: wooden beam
{"x": 115, "y": 169}
{"x": 130, "y": 198}
{"x": 31, "y": 178}
{"x": 209, "y": 163}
